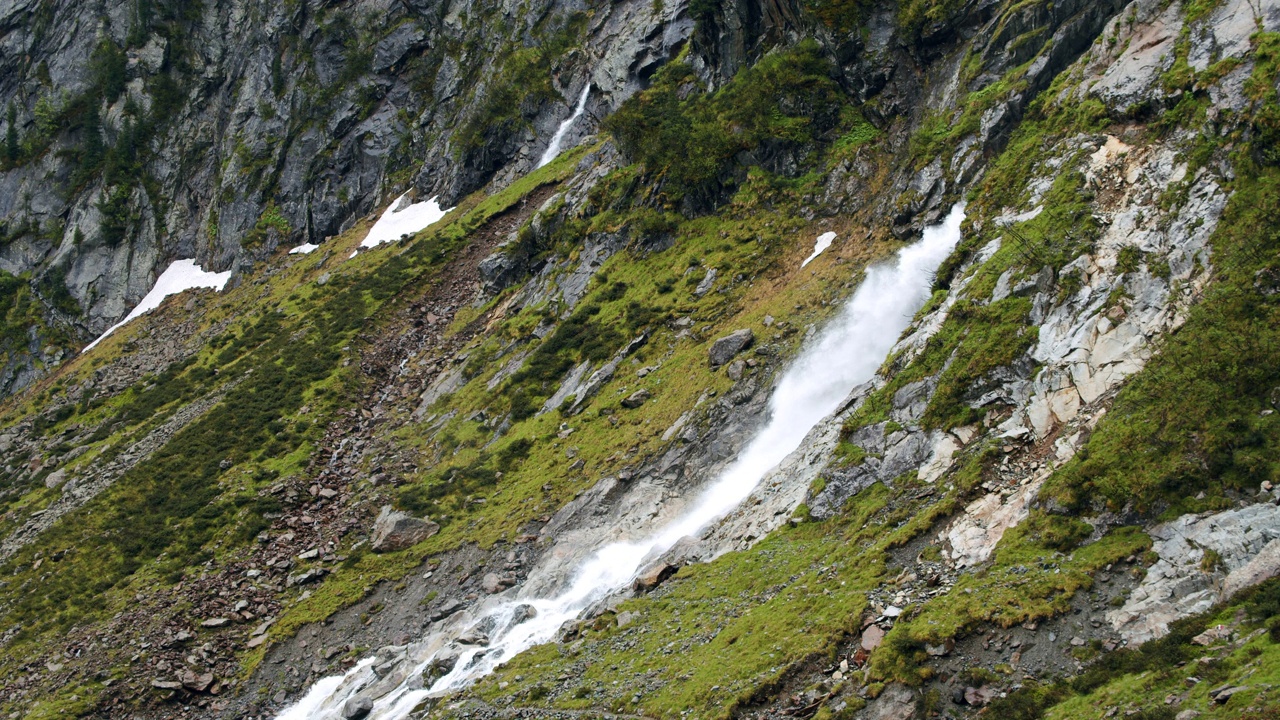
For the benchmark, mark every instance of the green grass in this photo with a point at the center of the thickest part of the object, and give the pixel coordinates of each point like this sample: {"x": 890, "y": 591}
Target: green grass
{"x": 1136, "y": 681}
{"x": 1196, "y": 418}
{"x": 180, "y": 507}
{"x": 1030, "y": 578}
{"x": 749, "y": 236}
{"x": 717, "y": 634}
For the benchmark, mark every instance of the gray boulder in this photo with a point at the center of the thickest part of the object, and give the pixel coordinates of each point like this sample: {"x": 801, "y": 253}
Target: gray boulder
{"x": 495, "y": 583}
{"x": 654, "y": 576}
{"x": 636, "y": 399}
{"x": 357, "y": 708}
{"x": 55, "y": 478}
{"x": 396, "y": 530}
{"x": 724, "y": 349}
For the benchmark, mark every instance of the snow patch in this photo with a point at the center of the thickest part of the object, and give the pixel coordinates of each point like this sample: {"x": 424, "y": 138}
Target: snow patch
{"x": 822, "y": 243}
{"x": 304, "y": 249}
{"x": 182, "y": 275}
{"x": 403, "y": 218}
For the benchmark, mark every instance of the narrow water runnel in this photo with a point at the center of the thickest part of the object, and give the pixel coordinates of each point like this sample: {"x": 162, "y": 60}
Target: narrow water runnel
{"x": 846, "y": 353}
{"x": 557, "y": 140}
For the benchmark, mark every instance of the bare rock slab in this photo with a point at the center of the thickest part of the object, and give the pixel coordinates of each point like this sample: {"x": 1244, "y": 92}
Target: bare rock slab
{"x": 727, "y": 347}
{"x": 397, "y": 530}
{"x": 654, "y": 576}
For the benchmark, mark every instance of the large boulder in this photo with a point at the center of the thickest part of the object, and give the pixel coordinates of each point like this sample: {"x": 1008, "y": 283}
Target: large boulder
{"x": 357, "y": 708}
{"x": 396, "y": 530}
{"x": 724, "y": 349}
{"x": 636, "y": 399}
{"x": 654, "y": 576}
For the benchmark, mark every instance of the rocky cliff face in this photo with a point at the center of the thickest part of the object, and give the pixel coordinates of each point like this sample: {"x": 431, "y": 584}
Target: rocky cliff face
{"x": 147, "y": 131}
{"x": 1070, "y": 452}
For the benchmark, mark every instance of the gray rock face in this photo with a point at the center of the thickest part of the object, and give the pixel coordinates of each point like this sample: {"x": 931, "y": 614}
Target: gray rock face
{"x": 397, "y": 530}
{"x": 247, "y": 154}
{"x": 55, "y": 478}
{"x": 708, "y": 282}
{"x": 727, "y": 347}
{"x": 495, "y": 583}
{"x": 357, "y": 708}
{"x": 1245, "y": 547}
{"x": 636, "y": 399}
{"x": 897, "y": 702}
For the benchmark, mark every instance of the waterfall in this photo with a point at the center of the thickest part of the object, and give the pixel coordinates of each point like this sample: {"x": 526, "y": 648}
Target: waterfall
{"x": 846, "y": 353}
{"x": 554, "y": 148}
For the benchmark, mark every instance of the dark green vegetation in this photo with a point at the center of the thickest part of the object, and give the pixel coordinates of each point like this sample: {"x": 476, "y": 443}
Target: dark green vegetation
{"x": 170, "y": 507}
{"x": 1197, "y": 412}
{"x": 776, "y": 110}
{"x": 23, "y": 316}
{"x": 720, "y": 180}
{"x": 523, "y": 86}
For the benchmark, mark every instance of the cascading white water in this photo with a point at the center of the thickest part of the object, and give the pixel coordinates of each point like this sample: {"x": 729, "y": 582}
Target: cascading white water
{"x": 846, "y": 353}
{"x": 553, "y": 150}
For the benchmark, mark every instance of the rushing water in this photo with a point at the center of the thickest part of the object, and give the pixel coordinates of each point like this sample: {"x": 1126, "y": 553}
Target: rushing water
{"x": 558, "y": 139}
{"x": 846, "y": 353}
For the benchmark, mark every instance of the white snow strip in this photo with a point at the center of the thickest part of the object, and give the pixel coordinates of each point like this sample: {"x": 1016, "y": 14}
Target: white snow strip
{"x": 553, "y": 149}
{"x": 180, "y": 276}
{"x": 823, "y": 242}
{"x": 403, "y": 218}
{"x": 304, "y": 249}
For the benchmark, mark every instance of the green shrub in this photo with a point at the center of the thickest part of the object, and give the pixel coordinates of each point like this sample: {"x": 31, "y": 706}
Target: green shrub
{"x": 1129, "y": 258}
{"x": 522, "y": 86}
{"x": 688, "y": 139}
{"x": 107, "y": 67}
{"x": 1057, "y": 532}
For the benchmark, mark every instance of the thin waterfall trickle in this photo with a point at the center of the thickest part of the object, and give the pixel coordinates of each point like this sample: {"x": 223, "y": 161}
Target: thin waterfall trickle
{"x": 846, "y": 353}
{"x": 553, "y": 149}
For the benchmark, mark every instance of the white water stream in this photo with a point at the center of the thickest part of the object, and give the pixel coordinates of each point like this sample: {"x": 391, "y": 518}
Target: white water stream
{"x": 553, "y": 150}
{"x": 846, "y": 353}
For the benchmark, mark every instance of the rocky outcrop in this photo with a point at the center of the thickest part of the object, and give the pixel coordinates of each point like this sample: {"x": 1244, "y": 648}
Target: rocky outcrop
{"x": 1204, "y": 559}
{"x": 249, "y": 140}
{"x": 727, "y": 348}
{"x": 397, "y": 530}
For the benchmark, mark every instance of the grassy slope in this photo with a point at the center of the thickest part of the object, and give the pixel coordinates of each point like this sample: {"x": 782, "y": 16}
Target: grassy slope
{"x": 1195, "y": 420}
{"x": 286, "y": 341}
{"x": 180, "y": 509}
{"x": 741, "y": 600}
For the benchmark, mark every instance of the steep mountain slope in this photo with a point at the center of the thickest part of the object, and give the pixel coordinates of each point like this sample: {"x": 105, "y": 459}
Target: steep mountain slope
{"x": 142, "y": 131}
{"x": 1060, "y": 460}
